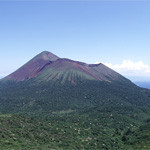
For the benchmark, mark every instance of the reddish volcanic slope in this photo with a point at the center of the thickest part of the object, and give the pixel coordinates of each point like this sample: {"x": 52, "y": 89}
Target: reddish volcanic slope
{"x": 29, "y": 70}
{"x": 47, "y": 66}
{"x": 66, "y": 70}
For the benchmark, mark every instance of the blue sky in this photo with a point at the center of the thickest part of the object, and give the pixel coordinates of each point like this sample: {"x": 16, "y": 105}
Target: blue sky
{"x": 116, "y": 33}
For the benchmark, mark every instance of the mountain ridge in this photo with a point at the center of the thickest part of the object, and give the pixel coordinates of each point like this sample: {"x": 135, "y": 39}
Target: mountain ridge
{"x": 27, "y": 70}
{"x": 51, "y": 66}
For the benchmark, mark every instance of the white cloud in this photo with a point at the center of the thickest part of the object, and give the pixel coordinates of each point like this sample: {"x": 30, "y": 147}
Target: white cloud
{"x": 130, "y": 68}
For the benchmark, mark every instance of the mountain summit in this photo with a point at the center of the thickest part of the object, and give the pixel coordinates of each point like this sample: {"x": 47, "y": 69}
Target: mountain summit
{"x": 48, "y": 67}
{"x": 31, "y": 68}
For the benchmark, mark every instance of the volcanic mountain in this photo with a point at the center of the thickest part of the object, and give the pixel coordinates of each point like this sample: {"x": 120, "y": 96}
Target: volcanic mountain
{"x": 58, "y": 103}
{"x": 49, "y": 83}
{"x": 47, "y": 66}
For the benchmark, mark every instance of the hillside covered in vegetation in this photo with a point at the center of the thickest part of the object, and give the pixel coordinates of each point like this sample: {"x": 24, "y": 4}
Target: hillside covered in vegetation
{"x": 54, "y": 103}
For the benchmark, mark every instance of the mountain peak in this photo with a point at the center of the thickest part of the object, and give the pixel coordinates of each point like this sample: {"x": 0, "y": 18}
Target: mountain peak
{"x": 31, "y": 68}
{"x": 48, "y": 67}
{"x": 45, "y": 55}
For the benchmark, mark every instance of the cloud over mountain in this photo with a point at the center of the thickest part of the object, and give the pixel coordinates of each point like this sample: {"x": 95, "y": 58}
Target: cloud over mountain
{"x": 131, "y": 68}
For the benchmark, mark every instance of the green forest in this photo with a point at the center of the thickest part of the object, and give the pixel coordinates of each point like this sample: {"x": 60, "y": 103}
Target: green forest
{"x": 92, "y": 115}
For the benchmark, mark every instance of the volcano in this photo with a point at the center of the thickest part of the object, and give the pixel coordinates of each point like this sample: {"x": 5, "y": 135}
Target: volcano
{"x": 49, "y": 83}
{"x": 59, "y": 103}
{"x": 47, "y": 66}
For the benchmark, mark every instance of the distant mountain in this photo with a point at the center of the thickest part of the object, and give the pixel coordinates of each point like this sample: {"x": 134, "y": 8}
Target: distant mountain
{"x": 143, "y": 84}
